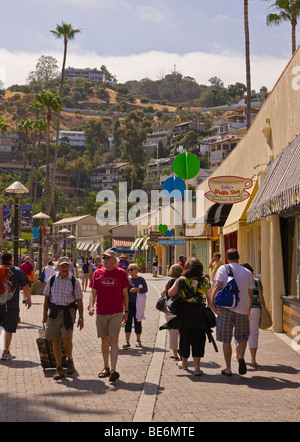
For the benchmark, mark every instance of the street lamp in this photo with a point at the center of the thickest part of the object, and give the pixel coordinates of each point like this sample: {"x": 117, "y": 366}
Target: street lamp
{"x": 41, "y": 217}
{"x": 17, "y": 189}
{"x": 64, "y": 233}
{"x": 71, "y": 237}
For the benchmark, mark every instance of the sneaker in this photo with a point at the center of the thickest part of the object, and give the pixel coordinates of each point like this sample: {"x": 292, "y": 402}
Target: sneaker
{"x": 59, "y": 373}
{"x": 70, "y": 366}
{"x": 7, "y": 356}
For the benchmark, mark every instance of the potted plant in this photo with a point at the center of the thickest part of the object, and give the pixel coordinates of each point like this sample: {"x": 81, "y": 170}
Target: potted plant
{"x": 141, "y": 263}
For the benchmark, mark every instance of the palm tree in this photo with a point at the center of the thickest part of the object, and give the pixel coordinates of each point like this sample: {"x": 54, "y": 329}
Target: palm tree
{"x": 39, "y": 127}
{"x": 79, "y": 164}
{"x": 4, "y": 127}
{"x": 53, "y": 104}
{"x": 66, "y": 32}
{"x": 285, "y": 11}
{"x": 36, "y": 108}
{"x": 247, "y": 53}
{"x": 25, "y": 126}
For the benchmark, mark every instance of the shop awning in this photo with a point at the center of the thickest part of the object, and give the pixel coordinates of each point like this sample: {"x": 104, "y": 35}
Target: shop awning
{"x": 137, "y": 244}
{"x": 238, "y": 214}
{"x": 217, "y": 214}
{"x": 94, "y": 247}
{"x": 79, "y": 246}
{"x": 280, "y": 189}
{"x": 86, "y": 246}
{"x": 126, "y": 243}
{"x": 145, "y": 244}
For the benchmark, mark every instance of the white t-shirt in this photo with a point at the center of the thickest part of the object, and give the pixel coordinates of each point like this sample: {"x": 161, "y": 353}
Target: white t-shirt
{"x": 49, "y": 271}
{"x": 244, "y": 279}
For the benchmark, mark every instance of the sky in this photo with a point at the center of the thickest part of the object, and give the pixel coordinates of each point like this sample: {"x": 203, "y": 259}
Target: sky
{"x": 136, "y": 39}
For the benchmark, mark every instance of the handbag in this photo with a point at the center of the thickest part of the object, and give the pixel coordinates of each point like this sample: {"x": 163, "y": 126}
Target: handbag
{"x": 161, "y": 303}
{"x": 265, "y": 319}
{"x": 173, "y": 305}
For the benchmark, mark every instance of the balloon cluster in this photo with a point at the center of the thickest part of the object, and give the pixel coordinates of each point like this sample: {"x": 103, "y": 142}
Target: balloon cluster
{"x": 186, "y": 166}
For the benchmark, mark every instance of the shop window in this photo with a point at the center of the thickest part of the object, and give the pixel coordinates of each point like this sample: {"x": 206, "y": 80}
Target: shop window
{"x": 290, "y": 233}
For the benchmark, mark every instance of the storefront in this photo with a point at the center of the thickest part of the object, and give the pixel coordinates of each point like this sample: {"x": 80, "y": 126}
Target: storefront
{"x": 277, "y": 204}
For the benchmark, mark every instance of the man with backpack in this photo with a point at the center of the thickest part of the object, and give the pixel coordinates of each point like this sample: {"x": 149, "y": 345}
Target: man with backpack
{"x": 12, "y": 279}
{"x": 235, "y": 316}
{"x": 63, "y": 296}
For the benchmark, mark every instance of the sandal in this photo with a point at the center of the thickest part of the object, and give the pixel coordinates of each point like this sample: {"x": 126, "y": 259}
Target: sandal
{"x": 127, "y": 345}
{"x": 104, "y": 373}
{"x": 138, "y": 344}
{"x": 114, "y": 376}
{"x": 182, "y": 366}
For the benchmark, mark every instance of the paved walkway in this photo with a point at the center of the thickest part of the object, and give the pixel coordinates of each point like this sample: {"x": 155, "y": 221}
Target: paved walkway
{"x": 151, "y": 388}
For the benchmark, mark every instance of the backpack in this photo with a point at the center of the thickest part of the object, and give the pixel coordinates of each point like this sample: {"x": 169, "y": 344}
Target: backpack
{"x": 228, "y": 296}
{"x": 6, "y": 290}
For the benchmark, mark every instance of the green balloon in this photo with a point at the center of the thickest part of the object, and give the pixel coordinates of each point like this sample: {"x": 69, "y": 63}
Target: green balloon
{"x": 186, "y": 165}
{"x": 162, "y": 228}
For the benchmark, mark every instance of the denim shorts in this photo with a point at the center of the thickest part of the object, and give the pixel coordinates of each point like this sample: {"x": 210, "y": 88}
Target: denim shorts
{"x": 227, "y": 320}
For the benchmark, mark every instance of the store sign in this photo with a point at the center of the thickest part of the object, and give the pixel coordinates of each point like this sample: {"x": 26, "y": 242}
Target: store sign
{"x": 199, "y": 230}
{"x": 172, "y": 242}
{"x": 228, "y": 189}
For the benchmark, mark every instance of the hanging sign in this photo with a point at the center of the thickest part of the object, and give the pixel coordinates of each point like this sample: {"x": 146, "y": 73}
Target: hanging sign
{"x": 228, "y": 189}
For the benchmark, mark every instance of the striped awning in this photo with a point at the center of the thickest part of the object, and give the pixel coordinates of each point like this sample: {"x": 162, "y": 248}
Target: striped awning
{"x": 126, "y": 243}
{"x": 280, "y": 189}
{"x": 137, "y": 243}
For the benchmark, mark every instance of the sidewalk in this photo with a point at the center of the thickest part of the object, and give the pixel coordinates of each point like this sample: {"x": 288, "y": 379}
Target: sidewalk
{"x": 151, "y": 388}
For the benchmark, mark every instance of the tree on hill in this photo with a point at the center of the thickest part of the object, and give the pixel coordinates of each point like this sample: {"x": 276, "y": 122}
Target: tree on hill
{"x": 134, "y": 132}
{"x": 46, "y": 69}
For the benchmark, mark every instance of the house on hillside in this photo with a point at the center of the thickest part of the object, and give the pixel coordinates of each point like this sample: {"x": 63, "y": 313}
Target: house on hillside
{"x": 90, "y": 74}
{"x": 160, "y": 134}
{"x": 75, "y": 138}
{"x": 107, "y": 176}
{"x": 8, "y": 142}
{"x": 219, "y": 150}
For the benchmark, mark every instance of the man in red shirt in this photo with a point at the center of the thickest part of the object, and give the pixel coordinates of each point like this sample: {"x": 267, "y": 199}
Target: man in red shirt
{"x": 28, "y": 269}
{"x": 109, "y": 290}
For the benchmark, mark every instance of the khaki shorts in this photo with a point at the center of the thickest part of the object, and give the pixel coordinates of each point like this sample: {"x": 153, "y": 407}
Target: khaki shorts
{"x": 109, "y": 325}
{"x": 55, "y": 329}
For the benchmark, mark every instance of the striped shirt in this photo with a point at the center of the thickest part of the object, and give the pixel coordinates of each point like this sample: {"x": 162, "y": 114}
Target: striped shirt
{"x": 62, "y": 290}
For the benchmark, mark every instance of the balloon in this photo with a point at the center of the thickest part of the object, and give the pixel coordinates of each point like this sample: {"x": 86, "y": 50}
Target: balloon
{"x": 169, "y": 233}
{"x": 174, "y": 187}
{"x": 186, "y": 165}
{"x": 162, "y": 228}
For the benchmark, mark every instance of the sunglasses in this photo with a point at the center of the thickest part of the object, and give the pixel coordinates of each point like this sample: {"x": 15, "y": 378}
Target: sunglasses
{"x": 106, "y": 257}
{"x": 131, "y": 270}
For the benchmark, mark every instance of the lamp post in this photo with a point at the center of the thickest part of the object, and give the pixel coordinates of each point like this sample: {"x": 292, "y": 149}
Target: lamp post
{"x": 64, "y": 233}
{"x": 17, "y": 189}
{"x": 72, "y": 237}
{"x": 40, "y": 217}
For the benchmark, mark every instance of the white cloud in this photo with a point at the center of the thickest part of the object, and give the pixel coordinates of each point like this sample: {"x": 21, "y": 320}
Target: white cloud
{"x": 229, "y": 66}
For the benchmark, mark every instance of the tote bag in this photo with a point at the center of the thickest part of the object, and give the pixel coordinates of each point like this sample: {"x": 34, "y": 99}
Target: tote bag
{"x": 265, "y": 320}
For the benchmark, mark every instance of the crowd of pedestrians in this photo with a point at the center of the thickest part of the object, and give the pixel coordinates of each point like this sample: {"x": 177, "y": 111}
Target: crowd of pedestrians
{"x": 118, "y": 296}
